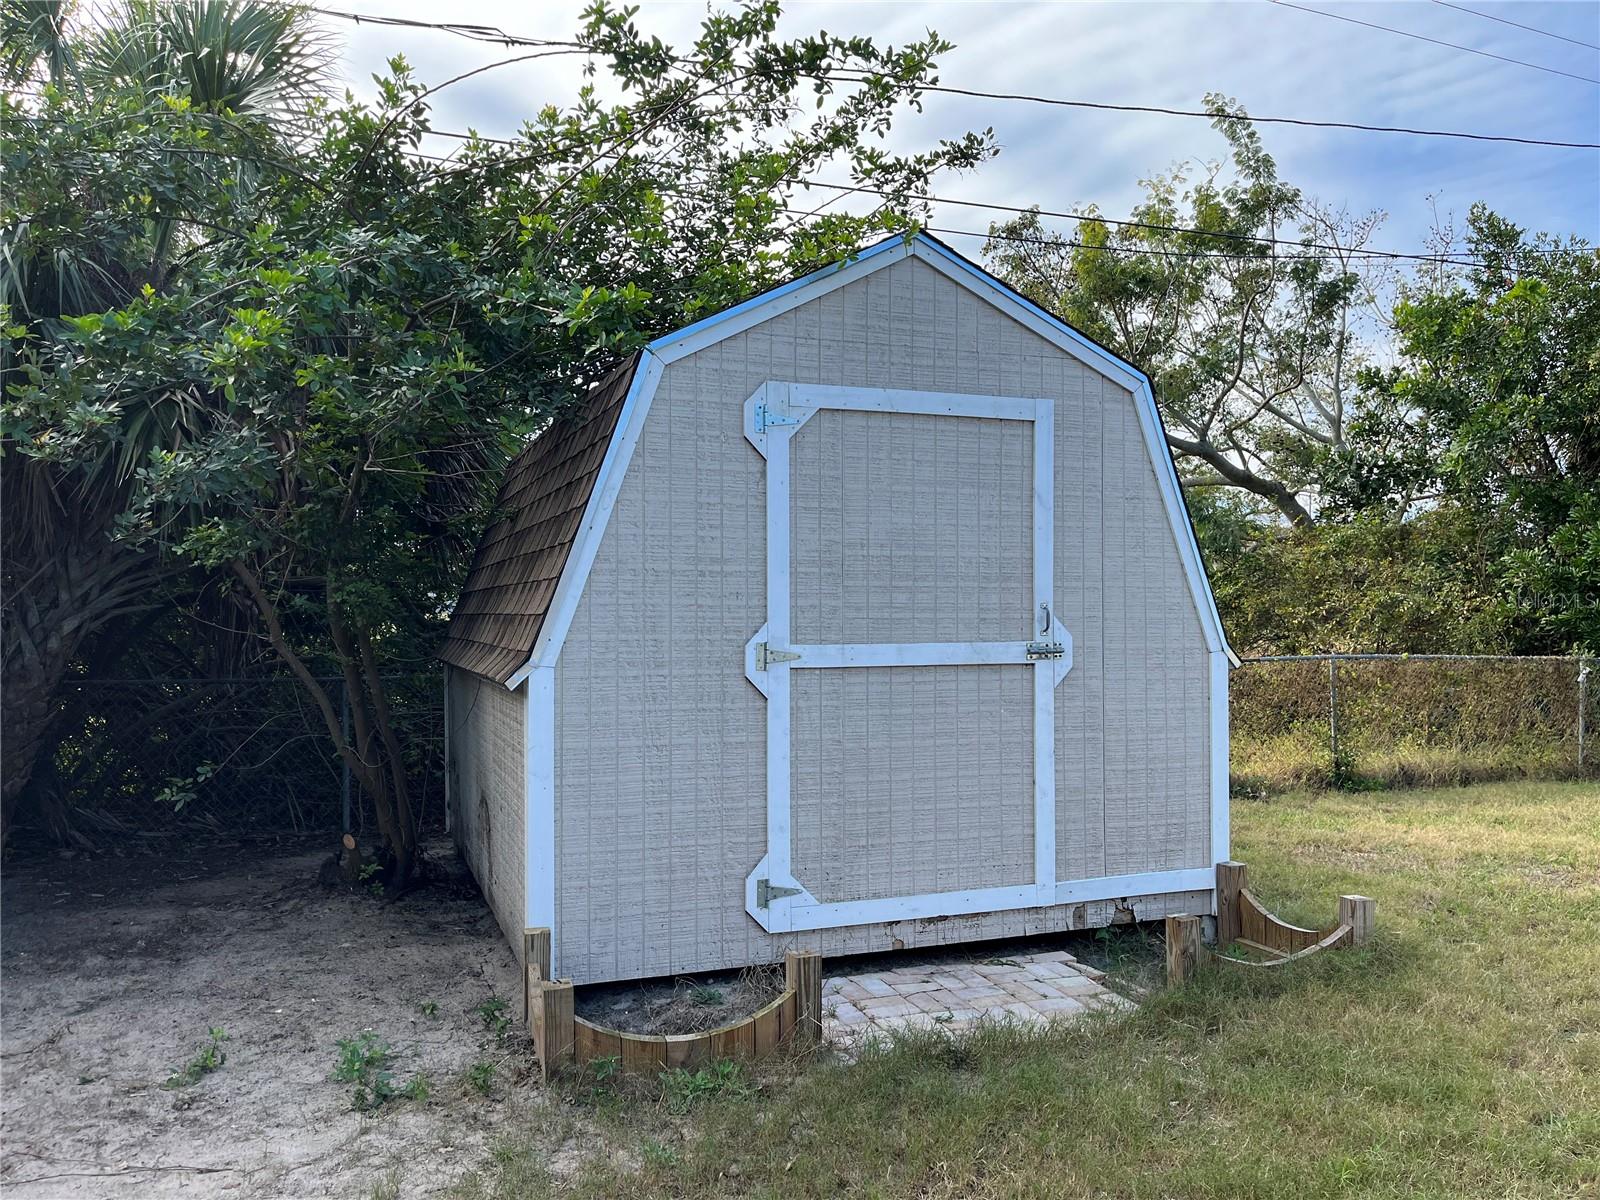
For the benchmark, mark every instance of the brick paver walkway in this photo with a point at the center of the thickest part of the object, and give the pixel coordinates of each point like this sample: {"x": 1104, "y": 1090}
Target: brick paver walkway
{"x": 1030, "y": 988}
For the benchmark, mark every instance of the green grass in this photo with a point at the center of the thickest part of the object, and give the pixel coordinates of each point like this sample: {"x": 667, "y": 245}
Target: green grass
{"x": 1457, "y": 1056}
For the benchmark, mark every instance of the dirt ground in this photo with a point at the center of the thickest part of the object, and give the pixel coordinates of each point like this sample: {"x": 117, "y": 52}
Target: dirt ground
{"x": 112, "y": 971}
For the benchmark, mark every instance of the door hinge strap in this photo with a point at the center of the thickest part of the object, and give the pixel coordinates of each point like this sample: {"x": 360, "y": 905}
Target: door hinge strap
{"x": 766, "y": 656}
{"x": 767, "y": 419}
{"x": 767, "y": 892}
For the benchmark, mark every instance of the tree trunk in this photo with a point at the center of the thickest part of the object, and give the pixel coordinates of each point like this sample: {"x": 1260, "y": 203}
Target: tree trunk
{"x": 53, "y": 601}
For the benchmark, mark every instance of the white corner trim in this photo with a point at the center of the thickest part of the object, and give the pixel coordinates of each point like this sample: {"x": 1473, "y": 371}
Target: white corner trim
{"x": 449, "y": 789}
{"x": 539, "y": 849}
{"x": 1221, "y": 836}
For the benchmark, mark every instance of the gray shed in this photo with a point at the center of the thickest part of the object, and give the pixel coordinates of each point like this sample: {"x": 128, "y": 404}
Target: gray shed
{"x": 866, "y": 614}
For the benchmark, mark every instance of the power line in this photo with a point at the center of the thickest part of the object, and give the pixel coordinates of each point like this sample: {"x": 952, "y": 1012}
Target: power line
{"x": 1518, "y": 25}
{"x": 1332, "y": 16}
{"x": 1330, "y": 251}
{"x": 489, "y": 33}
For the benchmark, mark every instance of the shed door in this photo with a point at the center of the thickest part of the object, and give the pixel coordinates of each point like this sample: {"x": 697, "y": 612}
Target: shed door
{"x": 909, "y": 657}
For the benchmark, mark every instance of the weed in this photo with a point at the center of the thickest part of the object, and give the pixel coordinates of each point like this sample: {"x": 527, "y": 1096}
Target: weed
{"x": 418, "y": 1088}
{"x": 375, "y": 886}
{"x": 605, "y": 1068}
{"x": 659, "y": 1155}
{"x": 364, "y": 1061}
{"x": 388, "y": 1186}
{"x": 706, "y": 996}
{"x": 496, "y": 1016}
{"x": 206, "y": 1060}
{"x": 429, "y": 1008}
{"x": 481, "y": 1076}
{"x": 684, "y": 1089}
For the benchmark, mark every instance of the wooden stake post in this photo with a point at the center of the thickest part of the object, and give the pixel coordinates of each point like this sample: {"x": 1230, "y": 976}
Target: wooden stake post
{"x": 1183, "y": 949}
{"x": 1230, "y": 882}
{"x": 802, "y": 974}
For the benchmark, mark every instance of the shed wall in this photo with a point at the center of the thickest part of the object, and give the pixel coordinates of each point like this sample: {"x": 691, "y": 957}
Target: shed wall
{"x": 660, "y": 740}
{"x": 488, "y": 802}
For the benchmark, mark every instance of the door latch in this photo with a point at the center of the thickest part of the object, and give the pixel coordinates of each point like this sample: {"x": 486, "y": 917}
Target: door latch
{"x": 1038, "y": 651}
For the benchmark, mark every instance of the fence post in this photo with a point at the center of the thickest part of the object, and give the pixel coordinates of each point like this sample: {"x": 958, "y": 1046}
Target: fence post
{"x": 1583, "y": 708}
{"x": 344, "y": 763}
{"x": 554, "y": 1033}
{"x": 1333, "y": 716}
{"x": 1361, "y": 914}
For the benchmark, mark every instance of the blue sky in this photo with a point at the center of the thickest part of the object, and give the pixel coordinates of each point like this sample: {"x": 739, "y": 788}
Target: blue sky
{"x": 1274, "y": 59}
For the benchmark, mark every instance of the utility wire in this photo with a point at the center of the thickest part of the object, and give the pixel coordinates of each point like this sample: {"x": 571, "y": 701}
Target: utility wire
{"x": 1421, "y": 37}
{"x": 490, "y": 33}
{"x": 1330, "y": 250}
{"x": 1518, "y": 25}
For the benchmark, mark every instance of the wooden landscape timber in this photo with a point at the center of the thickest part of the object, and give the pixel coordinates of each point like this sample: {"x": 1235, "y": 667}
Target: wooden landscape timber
{"x": 1242, "y": 920}
{"x": 562, "y": 1038}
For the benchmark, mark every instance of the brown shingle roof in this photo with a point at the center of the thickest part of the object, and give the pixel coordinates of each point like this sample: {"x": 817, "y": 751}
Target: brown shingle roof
{"x": 521, "y": 556}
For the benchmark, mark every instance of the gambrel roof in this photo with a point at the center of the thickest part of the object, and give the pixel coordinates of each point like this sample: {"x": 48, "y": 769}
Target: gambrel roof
{"x": 521, "y": 557}
{"x": 531, "y": 568}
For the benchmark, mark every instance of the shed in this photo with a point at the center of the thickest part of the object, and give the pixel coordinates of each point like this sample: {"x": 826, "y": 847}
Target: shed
{"x": 866, "y": 614}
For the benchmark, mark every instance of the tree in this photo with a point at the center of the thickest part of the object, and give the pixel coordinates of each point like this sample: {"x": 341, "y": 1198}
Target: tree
{"x": 142, "y": 135}
{"x": 1494, "y": 406}
{"x": 1249, "y": 345}
{"x": 368, "y": 334}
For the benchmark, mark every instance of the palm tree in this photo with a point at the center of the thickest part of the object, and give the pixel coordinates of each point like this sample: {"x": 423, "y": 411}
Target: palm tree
{"x": 71, "y": 244}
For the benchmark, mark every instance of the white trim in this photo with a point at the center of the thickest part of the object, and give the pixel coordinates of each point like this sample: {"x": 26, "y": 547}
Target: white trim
{"x": 817, "y": 915}
{"x": 910, "y": 654}
{"x": 539, "y": 848}
{"x": 596, "y": 515}
{"x": 449, "y": 792}
{"x": 773, "y": 414}
{"x": 1221, "y": 850}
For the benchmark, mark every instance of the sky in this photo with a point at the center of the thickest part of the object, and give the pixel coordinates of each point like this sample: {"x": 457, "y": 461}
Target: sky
{"x": 1275, "y": 59}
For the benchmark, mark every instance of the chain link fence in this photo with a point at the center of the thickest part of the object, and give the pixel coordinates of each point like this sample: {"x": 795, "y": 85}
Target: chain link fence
{"x": 151, "y": 759}
{"x": 1351, "y": 720}
{"x": 155, "y": 758}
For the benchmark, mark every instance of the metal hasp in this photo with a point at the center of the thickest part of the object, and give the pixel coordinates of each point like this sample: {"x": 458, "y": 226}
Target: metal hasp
{"x": 1039, "y": 651}
{"x": 767, "y": 892}
{"x": 765, "y": 656}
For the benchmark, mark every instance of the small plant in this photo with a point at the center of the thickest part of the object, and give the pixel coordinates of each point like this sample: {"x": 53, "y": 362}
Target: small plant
{"x": 685, "y": 1089}
{"x": 659, "y": 1155}
{"x": 206, "y": 1060}
{"x": 418, "y": 1088}
{"x": 495, "y": 1014}
{"x": 375, "y": 886}
{"x": 605, "y": 1068}
{"x": 364, "y": 1061}
{"x": 481, "y": 1076}
{"x": 706, "y": 996}
{"x": 429, "y": 1008}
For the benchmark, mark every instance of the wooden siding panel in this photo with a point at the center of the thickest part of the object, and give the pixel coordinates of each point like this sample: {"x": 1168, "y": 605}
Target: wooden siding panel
{"x": 912, "y": 779}
{"x": 911, "y": 528}
{"x": 488, "y": 811}
{"x": 661, "y": 742}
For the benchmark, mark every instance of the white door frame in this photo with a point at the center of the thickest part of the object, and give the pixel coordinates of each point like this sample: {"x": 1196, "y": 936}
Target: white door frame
{"x": 773, "y": 896}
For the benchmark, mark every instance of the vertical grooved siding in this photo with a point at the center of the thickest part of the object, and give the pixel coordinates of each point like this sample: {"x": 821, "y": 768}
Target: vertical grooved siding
{"x": 661, "y": 741}
{"x": 489, "y": 800}
{"x": 909, "y": 778}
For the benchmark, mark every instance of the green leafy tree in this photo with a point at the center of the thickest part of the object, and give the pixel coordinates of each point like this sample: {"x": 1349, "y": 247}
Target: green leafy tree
{"x": 126, "y": 144}
{"x": 368, "y": 334}
{"x": 1249, "y": 345}
{"x": 1494, "y": 406}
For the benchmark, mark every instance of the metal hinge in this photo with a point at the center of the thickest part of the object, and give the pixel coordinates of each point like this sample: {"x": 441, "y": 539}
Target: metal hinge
{"x": 1042, "y": 650}
{"x": 765, "y": 656}
{"x": 767, "y": 892}
{"x": 766, "y": 419}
